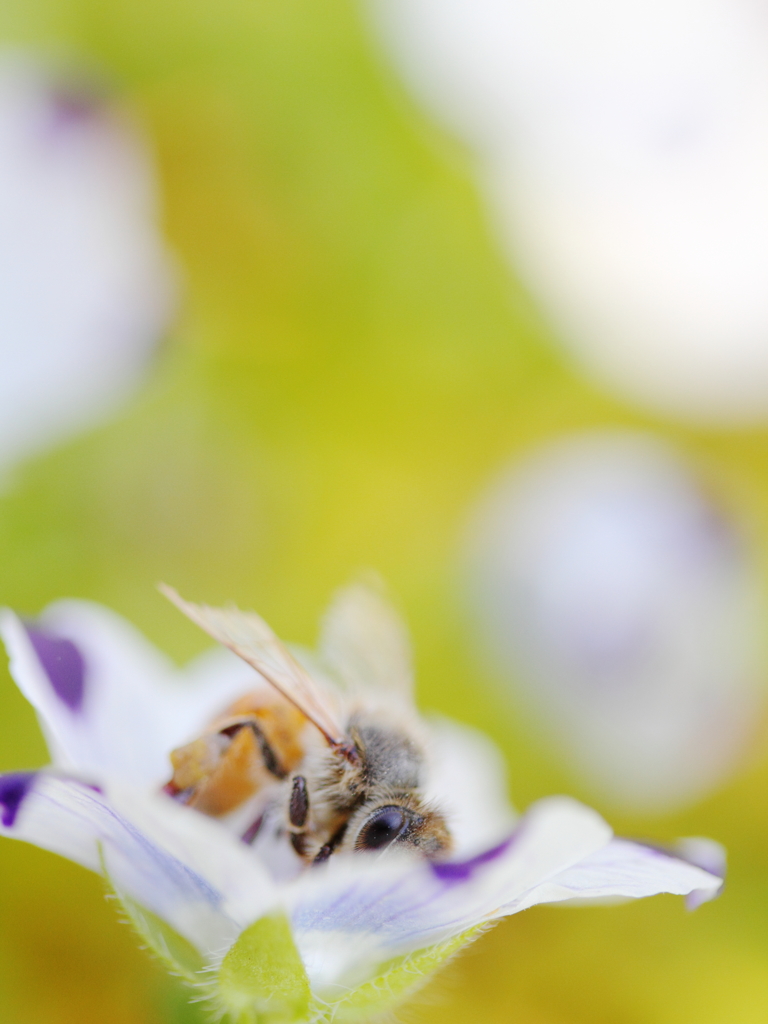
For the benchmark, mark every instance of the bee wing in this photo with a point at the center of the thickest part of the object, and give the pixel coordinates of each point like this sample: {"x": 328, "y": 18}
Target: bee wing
{"x": 251, "y": 639}
{"x": 365, "y": 642}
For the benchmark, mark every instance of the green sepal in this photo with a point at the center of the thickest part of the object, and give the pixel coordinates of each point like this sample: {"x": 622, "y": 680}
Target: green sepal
{"x": 177, "y": 953}
{"x": 395, "y": 981}
{"x": 262, "y": 978}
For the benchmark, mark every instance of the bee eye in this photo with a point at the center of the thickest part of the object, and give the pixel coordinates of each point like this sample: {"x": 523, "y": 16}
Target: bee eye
{"x": 382, "y": 828}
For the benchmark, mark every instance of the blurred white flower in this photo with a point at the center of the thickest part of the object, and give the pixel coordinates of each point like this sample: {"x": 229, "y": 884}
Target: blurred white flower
{"x": 86, "y": 287}
{"x": 624, "y": 151}
{"x": 624, "y": 608}
{"x": 339, "y": 941}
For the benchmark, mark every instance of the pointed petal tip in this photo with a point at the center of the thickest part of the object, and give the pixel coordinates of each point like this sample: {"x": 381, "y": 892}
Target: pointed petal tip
{"x": 711, "y": 857}
{"x": 704, "y": 853}
{"x": 627, "y": 870}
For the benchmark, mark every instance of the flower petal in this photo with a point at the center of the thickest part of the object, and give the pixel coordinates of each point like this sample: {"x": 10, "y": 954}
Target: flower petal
{"x": 468, "y": 783}
{"x": 110, "y": 704}
{"x": 176, "y": 863}
{"x": 360, "y": 911}
{"x": 629, "y": 870}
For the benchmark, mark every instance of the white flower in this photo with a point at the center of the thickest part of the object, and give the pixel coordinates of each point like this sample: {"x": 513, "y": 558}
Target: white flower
{"x": 86, "y": 286}
{"x": 112, "y": 708}
{"x": 624, "y": 150}
{"x": 626, "y": 607}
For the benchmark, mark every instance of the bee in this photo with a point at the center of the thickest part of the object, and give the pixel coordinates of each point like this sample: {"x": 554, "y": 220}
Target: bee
{"x": 341, "y": 764}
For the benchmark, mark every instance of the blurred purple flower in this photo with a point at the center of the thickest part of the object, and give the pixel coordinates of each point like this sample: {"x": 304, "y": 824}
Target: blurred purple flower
{"x": 86, "y": 286}
{"x": 626, "y": 609}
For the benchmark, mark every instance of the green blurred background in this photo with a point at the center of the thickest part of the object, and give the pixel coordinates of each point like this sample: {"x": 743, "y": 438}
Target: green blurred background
{"x": 351, "y": 363}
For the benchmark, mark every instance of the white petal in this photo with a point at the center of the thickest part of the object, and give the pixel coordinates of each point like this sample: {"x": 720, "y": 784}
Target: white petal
{"x": 362, "y": 910}
{"x": 624, "y": 869}
{"x": 177, "y": 863}
{"x": 467, "y": 782}
{"x": 135, "y": 706}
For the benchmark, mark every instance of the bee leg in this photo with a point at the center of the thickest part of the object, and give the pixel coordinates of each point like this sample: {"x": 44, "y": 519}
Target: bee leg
{"x": 299, "y": 843}
{"x": 326, "y": 851}
{"x": 269, "y": 757}
{"x": 298, "y": 808}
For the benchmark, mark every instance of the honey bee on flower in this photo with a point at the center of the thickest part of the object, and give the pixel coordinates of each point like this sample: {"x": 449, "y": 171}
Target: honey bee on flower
{"x": 292, "y": 811}
{"x": 348, "y": 766}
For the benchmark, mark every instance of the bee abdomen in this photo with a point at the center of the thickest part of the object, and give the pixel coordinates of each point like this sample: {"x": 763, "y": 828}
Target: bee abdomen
{"x": 244, "y": 752}
{"x": 268, "y": 755}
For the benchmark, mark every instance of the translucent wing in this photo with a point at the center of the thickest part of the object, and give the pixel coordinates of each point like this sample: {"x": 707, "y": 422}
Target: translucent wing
{"x": 251, "y": 639}
{"x": 365, "y": 642}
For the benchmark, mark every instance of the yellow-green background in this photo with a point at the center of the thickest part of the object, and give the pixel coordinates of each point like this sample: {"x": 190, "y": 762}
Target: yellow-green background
{"x": 351, "y": 363}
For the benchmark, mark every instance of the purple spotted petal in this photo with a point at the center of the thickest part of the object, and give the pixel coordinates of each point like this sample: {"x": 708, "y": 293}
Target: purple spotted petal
{"x": 181, "y": 865}
{"x": 363, "y": 909}
{"x": 133, "y": 705}
{"x": 63, "y": 663}
{"x": 13, "y": 788}
{"x": 72, "y": 818}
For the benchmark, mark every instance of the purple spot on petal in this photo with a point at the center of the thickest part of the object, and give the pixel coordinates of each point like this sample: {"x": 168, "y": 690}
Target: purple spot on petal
{"x": 462, "y": 871}
{"x": 63, "y": 664}
{"x": 69, "y": 109}
{"x": 13, "y": 788}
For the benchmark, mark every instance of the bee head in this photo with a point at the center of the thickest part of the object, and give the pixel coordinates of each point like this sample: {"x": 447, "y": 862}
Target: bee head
{"x": 402, "y": 821}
